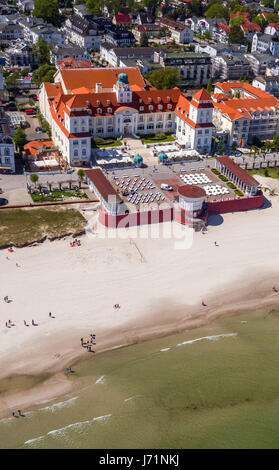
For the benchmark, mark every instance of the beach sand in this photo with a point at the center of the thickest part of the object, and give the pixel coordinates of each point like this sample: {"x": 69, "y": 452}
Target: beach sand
{"x": 158, "y": 285}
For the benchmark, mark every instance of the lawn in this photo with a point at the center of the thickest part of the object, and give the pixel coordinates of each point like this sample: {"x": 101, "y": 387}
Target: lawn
{"x": 19, "y": 227}
{"x": 98, "y": 142}
{"x": 269, "y": 172}
{"x": 58, "y": 196}
{"x": 152, "y": 139}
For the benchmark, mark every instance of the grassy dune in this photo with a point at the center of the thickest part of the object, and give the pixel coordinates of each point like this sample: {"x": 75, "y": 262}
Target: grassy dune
{"x": 19, "y": 227}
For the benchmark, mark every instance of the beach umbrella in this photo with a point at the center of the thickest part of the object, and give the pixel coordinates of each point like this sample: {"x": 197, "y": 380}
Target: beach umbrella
{"x": 162, "y": 156}
{"x": 138, "y": 159}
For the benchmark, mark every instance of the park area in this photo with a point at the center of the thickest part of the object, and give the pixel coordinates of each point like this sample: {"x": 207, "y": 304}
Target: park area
{"x": 20, "y": 227}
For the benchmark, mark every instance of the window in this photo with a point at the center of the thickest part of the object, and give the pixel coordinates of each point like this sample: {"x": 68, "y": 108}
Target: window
{"x": 141, "y": 118}
{"x": 150, "y": 108}
{"x": 83, "y": 152}
{"x": 84, "y": 142}
{"x": 160, "y": 107}
{"x": 100, "y": 130}
{"x": 83, "y": 129}
{"x": 109, "y": 110}
{"x": 7, "y": 151}
{"x": 169, "y": 124}
{"x": 169, "y": 116}
{"x": 7, "y": 160}
{"x": 169, "y": 106}
{"x": 150, "y": 126}
{"x": 76, "y": 153}
{"x": 99, "y": 111}
{"x": 141, "y": 108}
{"x": 140, "y": 127}
{"x": 75, "y": 142}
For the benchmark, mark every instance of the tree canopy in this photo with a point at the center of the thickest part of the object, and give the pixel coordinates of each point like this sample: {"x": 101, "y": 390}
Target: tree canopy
{"x": 144, "y": 40}
{"x": 48, "y": 10}
{"x": 236, "y": 36}
{"x": 42, "y": 49}
{"x": 44, "y": 73}
{"x": 19, "y": 138}
{"x": 217, "y": 11}
{"x": 164, "y": 78}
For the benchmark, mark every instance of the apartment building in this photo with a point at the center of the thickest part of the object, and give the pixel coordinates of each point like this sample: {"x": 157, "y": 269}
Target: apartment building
{"x": 230, "y": 67}
{"x": 179, "y": 33}
{"x": 195, "y": 68}
{"x": 244, "y": 112}
{"x": 81, "y": 32}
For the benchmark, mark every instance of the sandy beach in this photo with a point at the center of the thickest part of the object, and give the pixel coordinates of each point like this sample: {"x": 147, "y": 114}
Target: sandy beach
{"x": 158, "y": 285}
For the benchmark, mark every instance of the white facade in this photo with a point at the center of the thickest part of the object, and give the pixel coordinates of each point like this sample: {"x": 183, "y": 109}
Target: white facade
{"x": 7, "y": 158}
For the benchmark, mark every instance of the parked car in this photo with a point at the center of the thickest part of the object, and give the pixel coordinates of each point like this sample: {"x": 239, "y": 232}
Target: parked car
{"x": 30, "y": 111}
{"x": 166, "y": 187}
{"x": 11, "y": 106}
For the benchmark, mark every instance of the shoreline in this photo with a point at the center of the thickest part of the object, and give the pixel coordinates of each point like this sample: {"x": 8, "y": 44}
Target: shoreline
{"x": 159, "y": 286}
{"x": 58, "y": 384}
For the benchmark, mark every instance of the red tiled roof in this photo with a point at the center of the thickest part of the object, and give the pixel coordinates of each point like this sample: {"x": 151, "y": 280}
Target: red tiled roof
{"x": 74, "y": 78}
{"x": 102, "y": 184}
{"x": 191, "y": 191}
{"x": 33, "y": 146}
{"x": 71, "y": 62}
{"x": 245, "y": 14}
{"x": 172, "y": 24}
{"x": 122, "y": 18}
{"x": 237, "y": 171}
{"x": 275, "y": 25}
{"x": 250, "y": 26}
{"x": 224, "y": 27}
{"x": 201, "y": 95}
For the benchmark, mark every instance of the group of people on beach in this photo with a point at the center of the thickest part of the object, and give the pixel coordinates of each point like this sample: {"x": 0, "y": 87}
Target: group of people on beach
{"x": 19, "y": 414}
{"x": 88, "y": 344}
{"x": 75, "y": 243}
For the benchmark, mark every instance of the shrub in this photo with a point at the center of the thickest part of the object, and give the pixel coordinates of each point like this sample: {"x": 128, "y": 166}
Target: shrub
{"x": 231, "y": 185}
{"x": 160, "y": 136}
{"x": 238, "y": 192}
{"x": 215, "y": 171}
{"x": 223, "y": 178}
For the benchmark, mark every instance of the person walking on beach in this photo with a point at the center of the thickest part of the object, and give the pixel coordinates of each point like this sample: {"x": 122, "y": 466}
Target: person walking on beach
{"x": 6, "y": 298}
{"x": 19, "y": 412}
{"x": 50, "y": 315}
{"x": 13, "y": 414}
{"x": 203, "y": 303}
{"x": 24, "y": 322}
{"x": 81, "y": 341}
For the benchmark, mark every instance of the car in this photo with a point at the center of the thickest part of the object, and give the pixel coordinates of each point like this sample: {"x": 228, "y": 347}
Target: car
{"x": 3, "y": 201}
{"x": 166, "y": 187}
{"x": 31, "y": 111}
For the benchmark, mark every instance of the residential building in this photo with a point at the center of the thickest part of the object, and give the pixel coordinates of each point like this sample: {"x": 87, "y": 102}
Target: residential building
{"x": 119, "y": 37}
{"x": 265, "y": 43}
{"x": 116, "y": 55}
{"x": 215, "y": 50}
{"x": 272, "y": 28}
{"x": 270, "y": 84}
{"x": 25, "y": 5}
{"x": 7, "y": 158}
{"x": 35, "y": 29}
{"x": 151, "y": 30}
{"x": 222, "y": 33}
{"x": 80, "y": 31}
{"x": 230, "y": 67}
{"x": 209, "y": 25}
{"x": 249, "y": 29}
{"x": 195, "y": 68}
{"x": 59, "y": 53}
{"x": 121, "y": 19}
{"x": 86, "y": 103}
{"x": 260, "y": 62}
{"x": 10, "y": 32}
{"x": 20, "y": 55}
{"x": 179, "y": 32}
{"x": 254, "y": 114}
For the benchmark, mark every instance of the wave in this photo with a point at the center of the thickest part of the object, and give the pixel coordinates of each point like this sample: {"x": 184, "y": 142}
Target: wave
{"x": 101, "y": 380}
{"x": 132, "y": 398}
{"x": 58, "y": 405}
{"x": 210, "y": 338}
{"x": 102, "y": 418}
{"x": 165, "y": 349}
{"x": 31, "y": 441}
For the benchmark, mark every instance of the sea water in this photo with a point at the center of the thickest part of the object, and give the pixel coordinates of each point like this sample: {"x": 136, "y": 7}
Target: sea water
{"x": 211, "y": 387}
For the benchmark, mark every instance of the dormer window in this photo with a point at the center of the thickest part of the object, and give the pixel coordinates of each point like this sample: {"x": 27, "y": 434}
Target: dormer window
{"x": 109, "y": 110}
{"x": 160, "y": 106}
{"x": 98, "y": 102}
{"x": 108, "y": 101}
{"x": 178, "y": 108}
{"x": 141, "y": 108}
{"x": 99, "y": 111}
{"x": 140, "y": 100}
{"x": 151, "y": 108}
{"x": 159, "y": 99}
{"x": 150, "y": 100}
{"x": 169, "y": 106}
{"x": 168, "y": 99}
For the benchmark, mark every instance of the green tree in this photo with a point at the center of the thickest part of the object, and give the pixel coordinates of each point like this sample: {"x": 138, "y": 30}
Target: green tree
{"x": 195, "y": 7}
{"x": 209, "y": 86}
{"x": 260, "y": 20}
{"x": 217, "y": 11}
{"x": 42, "y": 49}
{"x": 48, "y": 10}
{"x": 11, "y": 79}
{"x": 164, "y": 79}
{"x": 237, "y": 21}
{"x": 19, "y": 138}
{"x": 81, "y": 175}
{"x": 44, "y": 73}
{"x": 34, "y": 178}
{"x": 236, "y": 36}
{"x": 144, "y": 40}
{"x": 151, "y": 5}
{"x": 95, "y": 6}
{"x": 163, "y": 32}
{"x": 234, "y": 146}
